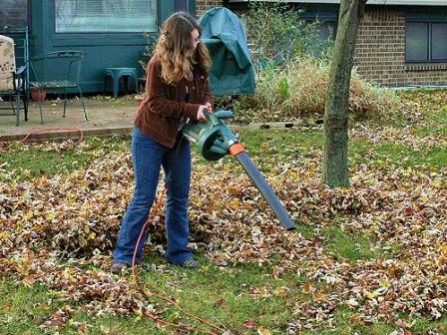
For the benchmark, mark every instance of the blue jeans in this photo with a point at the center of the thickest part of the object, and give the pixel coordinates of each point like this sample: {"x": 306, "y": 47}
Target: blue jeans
{"x": 148, "y": 157}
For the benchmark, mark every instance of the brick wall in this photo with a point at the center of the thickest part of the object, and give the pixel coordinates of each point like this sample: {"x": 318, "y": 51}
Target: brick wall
{"x": 203, "y": 5}
{"x": 380, "y": 52}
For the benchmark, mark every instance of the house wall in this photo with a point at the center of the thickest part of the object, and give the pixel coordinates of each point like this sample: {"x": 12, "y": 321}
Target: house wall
{"x": 13, "y": 12}
{"x": 380, "y": 52}
{"x": 380, "y": 48}
{"x": 203, "y": 5}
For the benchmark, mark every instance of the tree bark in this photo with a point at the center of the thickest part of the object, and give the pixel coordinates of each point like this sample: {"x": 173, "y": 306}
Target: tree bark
{"x": 335, "y": 163}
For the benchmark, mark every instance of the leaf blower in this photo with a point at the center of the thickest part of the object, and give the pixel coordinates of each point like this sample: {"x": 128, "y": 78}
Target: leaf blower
{"x": 215, "y": 140}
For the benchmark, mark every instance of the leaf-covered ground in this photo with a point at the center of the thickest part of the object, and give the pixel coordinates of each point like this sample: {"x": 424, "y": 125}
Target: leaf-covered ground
{"x": 58, "y": 229}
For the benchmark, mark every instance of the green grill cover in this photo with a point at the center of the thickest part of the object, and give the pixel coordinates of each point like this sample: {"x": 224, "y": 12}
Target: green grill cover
{"x": 232, "y": 72}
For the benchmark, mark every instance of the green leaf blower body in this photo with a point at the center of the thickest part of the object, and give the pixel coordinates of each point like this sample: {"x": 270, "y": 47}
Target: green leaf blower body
{"x": 215, "y": 140}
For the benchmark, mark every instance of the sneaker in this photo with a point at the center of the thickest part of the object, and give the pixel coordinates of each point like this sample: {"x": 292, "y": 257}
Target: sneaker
{"x": 190, "y": 263}
{"x": 118, "y": 268}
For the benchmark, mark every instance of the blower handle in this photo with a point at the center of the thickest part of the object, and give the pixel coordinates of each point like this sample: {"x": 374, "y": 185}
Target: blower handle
{"x": 215, "y": 117}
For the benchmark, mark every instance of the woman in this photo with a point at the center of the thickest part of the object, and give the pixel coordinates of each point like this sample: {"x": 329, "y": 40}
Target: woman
{"x": 177, "y": 90}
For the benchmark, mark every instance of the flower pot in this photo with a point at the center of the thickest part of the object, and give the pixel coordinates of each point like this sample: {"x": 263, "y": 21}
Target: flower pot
{"x": 38, "y": 95}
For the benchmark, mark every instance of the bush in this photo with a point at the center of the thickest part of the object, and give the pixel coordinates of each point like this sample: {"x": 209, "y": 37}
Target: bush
{"x": 299, "y": 88}
{"x": 278, "y": 33}
{"x": 151, "y": 40}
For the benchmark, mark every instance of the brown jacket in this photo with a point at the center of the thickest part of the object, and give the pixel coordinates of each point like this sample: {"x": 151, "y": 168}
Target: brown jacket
{"x": 160, "y": 113}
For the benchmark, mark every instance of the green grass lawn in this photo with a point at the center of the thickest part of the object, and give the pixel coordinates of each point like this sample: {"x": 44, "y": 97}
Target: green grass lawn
{"x": 246, "y": 298}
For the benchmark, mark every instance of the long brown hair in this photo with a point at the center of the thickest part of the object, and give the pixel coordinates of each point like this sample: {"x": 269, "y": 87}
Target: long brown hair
{"x": 174, "y": 49}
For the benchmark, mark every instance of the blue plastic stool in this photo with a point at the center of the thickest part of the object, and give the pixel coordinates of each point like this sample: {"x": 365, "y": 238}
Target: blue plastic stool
{"x": 116, "y": 73}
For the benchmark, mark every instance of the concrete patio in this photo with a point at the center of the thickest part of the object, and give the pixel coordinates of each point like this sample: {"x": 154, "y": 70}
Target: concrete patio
{"x": 107, "y": 116}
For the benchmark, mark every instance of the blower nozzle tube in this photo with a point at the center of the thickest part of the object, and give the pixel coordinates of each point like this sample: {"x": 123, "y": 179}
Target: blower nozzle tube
{"x": 215, "y": 140}
{"x": 265, "y": 189}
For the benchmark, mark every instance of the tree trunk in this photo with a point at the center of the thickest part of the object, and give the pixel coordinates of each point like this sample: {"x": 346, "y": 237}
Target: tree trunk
{"x": 335, "y": 164}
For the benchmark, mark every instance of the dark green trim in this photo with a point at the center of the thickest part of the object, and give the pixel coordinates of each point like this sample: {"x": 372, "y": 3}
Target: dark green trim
{"x": 324, "y": 12}
{"x": 413, "y": 17}
{"x": 438, "y": 14}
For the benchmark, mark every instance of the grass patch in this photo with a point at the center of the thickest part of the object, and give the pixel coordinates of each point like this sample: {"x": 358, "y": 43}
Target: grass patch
{"x": 348, "y": 246}
{"x": 434, "y": 157}
{"x": 23, "y": 308}
{"x": 296, "y": 144}
{"x": 232, "y": 296}
{"x": 28, "y": 161}
{"x": 282, "y": 142}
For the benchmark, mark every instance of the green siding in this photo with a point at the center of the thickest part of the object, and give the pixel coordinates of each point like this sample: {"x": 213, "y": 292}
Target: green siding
{"x": 102, "y": 49}
{"x": 13, "y": 12}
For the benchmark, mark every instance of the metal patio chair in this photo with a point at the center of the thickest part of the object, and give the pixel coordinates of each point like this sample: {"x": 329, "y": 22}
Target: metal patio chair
{"x": 12, "y": 80}
{"x": 57, "y": 71}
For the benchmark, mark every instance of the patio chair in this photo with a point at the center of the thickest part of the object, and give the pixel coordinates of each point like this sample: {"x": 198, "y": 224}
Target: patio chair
{"x": 57, "y": 71}
{"x": 12, "y": 80}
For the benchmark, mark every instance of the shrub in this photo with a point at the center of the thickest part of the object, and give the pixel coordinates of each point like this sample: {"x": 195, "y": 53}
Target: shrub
{"x": 299, "y": 88}
{"x": 278, "y": 33}
{"x": 151, "y": 40}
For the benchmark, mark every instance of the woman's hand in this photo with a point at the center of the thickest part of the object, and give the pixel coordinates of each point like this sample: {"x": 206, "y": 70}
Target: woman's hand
{"x": 209, "y": 107}
{"x": 200, "y": 112}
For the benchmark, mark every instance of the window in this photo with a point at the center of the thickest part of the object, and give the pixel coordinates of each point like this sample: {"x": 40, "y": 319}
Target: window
{"x": 439, "y": 41}
{"x": 325, "y": 31}
{"x": 106, "y": 16}
{"x": 426, "y": 42}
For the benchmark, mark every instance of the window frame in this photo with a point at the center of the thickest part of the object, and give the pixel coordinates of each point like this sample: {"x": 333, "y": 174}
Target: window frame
{"x": 429, "y": 22}
{"x": 56, "y": 33}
